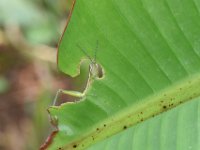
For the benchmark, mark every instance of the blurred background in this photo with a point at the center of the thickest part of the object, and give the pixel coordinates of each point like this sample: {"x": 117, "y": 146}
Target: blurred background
{"x": 29, "y": 34}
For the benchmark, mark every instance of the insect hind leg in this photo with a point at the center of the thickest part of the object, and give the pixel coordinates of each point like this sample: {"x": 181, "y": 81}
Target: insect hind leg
{"x": 67, "y": 92}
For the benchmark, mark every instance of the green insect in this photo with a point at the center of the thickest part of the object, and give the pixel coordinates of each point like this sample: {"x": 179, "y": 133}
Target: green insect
{"x": 95, "y": 71}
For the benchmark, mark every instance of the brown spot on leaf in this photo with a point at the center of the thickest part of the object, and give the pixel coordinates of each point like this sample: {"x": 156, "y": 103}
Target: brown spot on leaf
{"x": 164, "y": 107}
{"x": 93, "y": 138}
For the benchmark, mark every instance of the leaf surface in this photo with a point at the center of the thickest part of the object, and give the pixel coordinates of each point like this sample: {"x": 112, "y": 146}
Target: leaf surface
{"x": 177, "y": 129}
{"x": 150, "y": 55}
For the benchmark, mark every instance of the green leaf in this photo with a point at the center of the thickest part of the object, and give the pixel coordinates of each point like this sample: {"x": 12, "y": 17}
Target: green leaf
{"x": 176, "y": 129}
{"x": 150, "y": 55}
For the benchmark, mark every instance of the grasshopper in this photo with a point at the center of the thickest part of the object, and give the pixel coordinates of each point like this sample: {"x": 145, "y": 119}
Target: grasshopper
{"x": 95, "y": 71}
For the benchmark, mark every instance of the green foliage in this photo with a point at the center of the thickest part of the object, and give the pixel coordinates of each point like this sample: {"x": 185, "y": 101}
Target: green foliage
{"x": 149, "y": 51}
{"x": 4, "y": 85}
{"x": 39, "y": 20}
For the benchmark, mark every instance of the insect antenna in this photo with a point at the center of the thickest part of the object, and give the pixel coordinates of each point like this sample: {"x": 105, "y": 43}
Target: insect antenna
{"x": 84, "y": 52}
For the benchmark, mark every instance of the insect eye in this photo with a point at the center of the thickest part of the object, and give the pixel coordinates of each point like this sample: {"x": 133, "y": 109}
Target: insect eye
{"x": 99, "y": 71}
